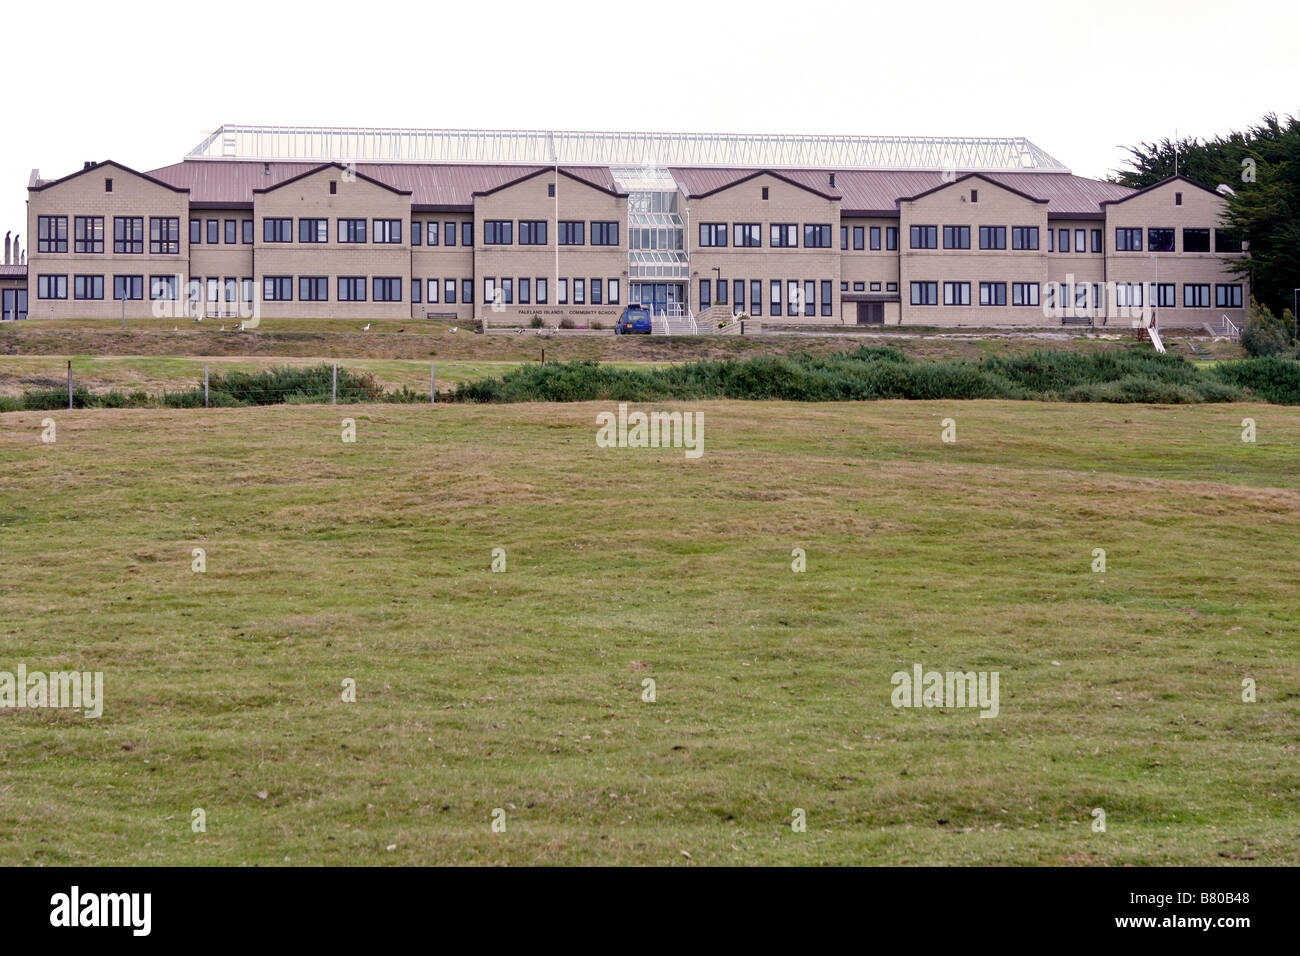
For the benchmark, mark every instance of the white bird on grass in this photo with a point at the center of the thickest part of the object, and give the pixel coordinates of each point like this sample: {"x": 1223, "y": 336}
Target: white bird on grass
{"x": 452, "y": 329}
{"x": 366, "y": 327}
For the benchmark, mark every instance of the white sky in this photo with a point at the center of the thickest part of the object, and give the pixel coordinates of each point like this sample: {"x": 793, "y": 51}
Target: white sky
{"x": 143, "y": 83}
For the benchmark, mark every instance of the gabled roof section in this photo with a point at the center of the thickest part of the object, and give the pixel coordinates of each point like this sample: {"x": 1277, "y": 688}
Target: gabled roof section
{"x": 339, "y": 166}
{"x": 1164, "y": 182}
{"x": 961, "y": 179}
{"x": 597, "y": 177}
{"x": 700, "y": 183}
{"x": 108, "y": 163}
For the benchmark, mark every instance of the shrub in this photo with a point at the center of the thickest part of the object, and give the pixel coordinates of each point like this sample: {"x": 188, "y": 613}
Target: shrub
{"x": 1263, "y": 333}
{"x": 566, "y": 323}
{"x": 1271, "y": 379}
{"x": 537, "y": 322}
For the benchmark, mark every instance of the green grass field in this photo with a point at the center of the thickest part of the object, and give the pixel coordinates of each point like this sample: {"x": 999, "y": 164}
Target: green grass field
{"x": 522, "y": 690}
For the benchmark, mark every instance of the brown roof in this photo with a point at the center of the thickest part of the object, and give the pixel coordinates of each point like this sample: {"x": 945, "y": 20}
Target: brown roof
{"x": 37, "y": 185}
{"x": 436, "y": 187}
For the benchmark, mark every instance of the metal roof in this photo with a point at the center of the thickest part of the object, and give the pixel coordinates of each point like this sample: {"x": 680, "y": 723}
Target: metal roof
{"x": 609, "y": 148}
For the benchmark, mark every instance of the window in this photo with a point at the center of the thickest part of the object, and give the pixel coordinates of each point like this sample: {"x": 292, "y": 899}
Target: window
{"x": 859, "y": 235}
{"x": 826, "y": 304}
{"x": 604, "y": 233}
{"x": 891, "y": 286}
{"x": 1167, "y": 295}
{"x": 1024, "y": 293}
{"x": 550, "y": 190}
{"x": 1178, "y": 199}
{"x": 793, "y": 298}
{"x": 213, "y": 231}
{"x": 755, "y": 296}
{"x": 448, "y": 235}
{"x": 844, "y": 237}
{"x": 1160, "y": 240}
{"x": 89, "y": 232}
{"x": 958, "y": 237}
{"x": 278, "y": 230}
{"x": 388, "y": 232}
{"x": 108, "y": 184}
{"x": 128, "y": 234}
{"x": 162, "y": 287}
{"x": 87, "y": 287}
{"x": 775, "y": 297}
{"x": 993, "y": 237}
{"x": 196, "y": 231}
{"x": 52, "y": 235}
{"x": 313, "y": 230}
{"x": 579, "y": 292}
{"x": 165, "y": 235}
{"x": 532, "y": 232}
{"x": 925, "y": 237}
{"x": 713, "y": 234}
{"x": 525, "y": 291}
{"x": 564, "y": 292}
{"x": 738, "y": 295}
{"x": 278, "y": 289}
{"x": 51, "y": 287}
{"x": 764, "y": 192}
{"x": 352, "y": 230}
{"x": 925, "y": 293}
{"x": 417, "y": 290}
{"x": 388, "y": 288}
{"x": 1063, "y": 244}
{"x": 1024, "y": 237}
{"x": 612, "y": 292}
{"x": 541, "y": 286}
{"x": 449, "y": 291}
{"x": 816, "y": 237}
{"x": 467, "y": 291}
{"x": 722, "y": 292}
{"x": 1096, "y": 240}
{"x": 891, "y": 238}
{"x": 352, "y": 288}
{"x": 246, "y": 232}
{"x": 1227, "y": 296}
{"x": 1196, "y": 296}
{"x": 784, "y": 236}
{"x": 1081, "y": 294}
{"x": 993, "y": 293}
{"x": 875, "y": 238}
{"x": 748, "y": 235}
{"x": 597, "y": 292}
{"x": 1080, "y": 240}
{"x": 1051, "y": 240}
{"x": 417, "y": 233}
{"x": 1128, "y": 240}
{"x": 1128, "y": 295}
{"x": 1196, "y": 240}
{"x": 246, "y": 289}
{"x": 956, "y": 293}
{"x": 433, "y": 284}
{"x": 1224, "y": 241}
{"x": 232, "y": 232}
{"x": 875, "y": 286}
{"x": 431, "y": 234}
{"x": 334, "y": 187}
{"x": 507, "y": 291}
{"x": 128, "y": 287}
{"x": 572, "y": 233}
{"x": 467, "y": 236}
{"x": 498, "y": 232}
{"x": 313, "y": 289}
{"x": 490, "y": 290}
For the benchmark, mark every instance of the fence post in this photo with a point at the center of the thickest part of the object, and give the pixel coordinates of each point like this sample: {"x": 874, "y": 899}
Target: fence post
{"x": 69, "y": 384}
{"x": 433, "y": 381}
{"x": 205, "y": 386}
{"x": 334, "y": 388}
{"x": 742, "y": 326}
{"x": 543, "y": 356}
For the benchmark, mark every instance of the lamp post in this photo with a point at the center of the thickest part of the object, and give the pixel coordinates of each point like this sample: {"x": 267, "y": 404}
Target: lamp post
{"x": 719, "y": 287}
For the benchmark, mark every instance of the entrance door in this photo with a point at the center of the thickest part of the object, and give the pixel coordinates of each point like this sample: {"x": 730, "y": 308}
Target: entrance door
{"x": 871, "y": 313}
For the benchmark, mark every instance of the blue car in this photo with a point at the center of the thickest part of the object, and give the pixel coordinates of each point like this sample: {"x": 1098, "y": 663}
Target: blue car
{"x": 633, "y": 319}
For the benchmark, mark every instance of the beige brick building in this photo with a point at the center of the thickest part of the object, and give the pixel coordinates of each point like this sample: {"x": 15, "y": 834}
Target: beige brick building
{"x": 513, "y": 243}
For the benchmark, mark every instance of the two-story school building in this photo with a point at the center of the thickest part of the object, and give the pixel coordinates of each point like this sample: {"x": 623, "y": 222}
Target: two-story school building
{"x": 360, "y": 224}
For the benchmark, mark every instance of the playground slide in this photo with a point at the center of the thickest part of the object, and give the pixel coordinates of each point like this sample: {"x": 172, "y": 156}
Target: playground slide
{"x": 1155, "y": 339}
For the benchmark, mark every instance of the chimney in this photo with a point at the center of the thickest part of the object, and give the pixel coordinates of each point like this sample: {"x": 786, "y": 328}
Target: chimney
{"x": 87, "y": 164}
{"x": 7, "y": 235}
{"x": 832, "y": 180}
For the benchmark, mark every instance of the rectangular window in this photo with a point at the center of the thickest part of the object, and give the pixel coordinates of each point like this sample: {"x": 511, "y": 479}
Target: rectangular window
{"x": 1227, "y": 296}
{"x": 498, "y": 232}
{"x": 448, "y": 234}
{"x": 572, "y": 233}
{"x": 826, "y": 301}
{"x": 748, "y": 235}
{"x": 784, "y": 236}
{"x": 1167, "y": 295}
{"x": 793, "y": 298}
{"x": 541, "y": 285}
{"x": 925, "y": 293}
{"x": 597, "y": 292}
{"x": 1080, "y": 240}
{"x": 417, "y": 233}
{"x": 232, "y": 231}
{"x": 214, "y": 229}
{"x": 525, "y": 291}
{"x": 128, "y": 287}
{"x": 388, "y": 288}
{"x": 564, "y": 292}
{"x": 993, "y": 237}
{"x": 925, "y": 237}
{"x": 755, "y": 296}
{"x": 278, "y": 230}
{"x": 277, "y": 289}
{"x": 467, "y": 236}
{"x": 844, "y": 237}
{"x": 52, "y": 235}
{"x": 352, "y": 288}
{"x": 1196, "y": 296}
{"x": 738, "y": 295}
{"x": 489, "y": 290}
{"x": 859, "y": 236}
{"x": 1096, "y": 240}
{"x": 1225, "y": 241}
{"x": 958, "y": 237}
{"x": 1128, "y": 240}
{"x": 128, "y": 235}
{"x": 508, "y": 291}
{"x": 532, "y": 232}
{"x": 713, "y": 234}
{"x": 1024, "y": 237}
{"x": 417, "y": 291}
{"x": 165, "y": 235}
{"x": 612, "y": 290}
{"x": 196, "y": 231}
{"x": 956, "y": 293}
{"x": 816, "y": 236}
{"x": 246, "y": 231}
{"x": 87, "y": 287}
{"x": 579, "y": 292}
{"x": 993, "y": 293}
{"x": 1128, "y": 295}
{"x": 891, "y": 238}
{"x": 431, "y": 234}
{"x": 352, "y": 230}
{"x": 51, "y": 287}
{"x": 1196, "y": 240}
{"x": 313, "y": 230}
{"x": 449, "y": 291}
{"x": 467, "y": 290}
{"x": 1160, "y": 240}
{"x": 891, "y": 286}
{"x": 313, "y": 289}
{"x": 875, "y": 238}
{"x": 89, "y": 232}
{"x": 774, "y": 300}
{"x": 1051, "y": 240}
{"x": 1024, "y": 293}
{"x": 875, "y": 287}
{"x": 434, "y": 286}
{"x": 1063, "y": 243}
{"x": 388, "y": 232}
{"x": 162, "y": 287}
{"x": 604, "y": 233}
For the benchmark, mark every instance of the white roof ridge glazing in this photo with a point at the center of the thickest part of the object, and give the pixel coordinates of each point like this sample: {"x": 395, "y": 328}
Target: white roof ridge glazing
{"x": 634, "y": 149}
